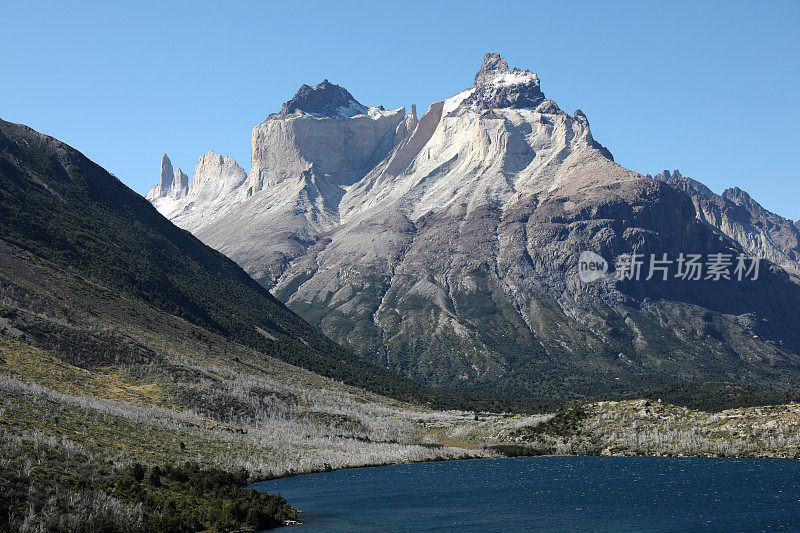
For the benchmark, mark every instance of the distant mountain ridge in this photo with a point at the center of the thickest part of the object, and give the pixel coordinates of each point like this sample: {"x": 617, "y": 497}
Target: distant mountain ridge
{"x": 445, "y": 248}
{"x": 739, "y": 217}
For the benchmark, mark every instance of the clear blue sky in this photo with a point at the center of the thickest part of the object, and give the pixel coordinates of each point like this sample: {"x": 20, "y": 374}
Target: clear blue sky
{"x": 710, "y": 88}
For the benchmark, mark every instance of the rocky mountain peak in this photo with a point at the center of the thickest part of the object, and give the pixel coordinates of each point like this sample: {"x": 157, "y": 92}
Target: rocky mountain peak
{"x": 215, "y": 175}
{"x": 742, "y": 199}
{"x": 493, "y": 64}
{"x": 180, "y": 179}
{"x": 580, "y": 116}
{"x": 496, "y": 86}
{"x": 211, "y": 159}
{"x": 213, "y": 164}
{"x": 325, "y": 99}
{"x": 737, "y": 195}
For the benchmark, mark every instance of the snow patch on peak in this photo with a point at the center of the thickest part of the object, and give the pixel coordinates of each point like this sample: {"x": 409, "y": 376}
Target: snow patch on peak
{"x": 454, "y": 101}
{"x": 342, "y": 112}
{"x": 515, "y": 77}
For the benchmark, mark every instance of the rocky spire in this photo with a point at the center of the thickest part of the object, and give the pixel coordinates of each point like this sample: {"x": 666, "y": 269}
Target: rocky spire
{"x": 496, "y": 86}
{"x": 492, "y": 66}
{"x": 167, "y": 174}
{"x": 173, "y": 183}
{"x": 324, "y": 100}
{"x": 580, "y": 116}
{"x": 180, "y": 182}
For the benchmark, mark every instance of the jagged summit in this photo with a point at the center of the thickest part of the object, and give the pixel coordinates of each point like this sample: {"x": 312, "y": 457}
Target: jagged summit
{"x": 686, "y": 184}
{"x": 325, "y": 99}
{"x": 496, "y": 86}
{"x": 215, "y": 176}
{"x": 495, "y": 72}
{"x": 742, "y": 198}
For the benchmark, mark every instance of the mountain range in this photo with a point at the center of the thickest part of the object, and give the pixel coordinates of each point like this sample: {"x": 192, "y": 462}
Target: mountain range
{"x": 147, "y": 378}
{"x": 445, "y": 247}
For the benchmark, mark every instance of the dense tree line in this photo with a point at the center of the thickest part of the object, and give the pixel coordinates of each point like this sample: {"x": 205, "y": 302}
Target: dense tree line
{"x": 58, "y": 486}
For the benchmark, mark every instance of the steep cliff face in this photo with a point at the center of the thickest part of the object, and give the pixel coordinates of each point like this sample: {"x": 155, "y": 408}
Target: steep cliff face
{"x": 339, "y": 147}
{"x": 446, "y": 248}
{"x": 738, "y": 216}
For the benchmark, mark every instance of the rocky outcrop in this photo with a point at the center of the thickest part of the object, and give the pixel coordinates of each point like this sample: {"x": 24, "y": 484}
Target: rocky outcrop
{"x": 446, "y": 247}
{"x": 337, "y": 140}
{"x": 173, "y": 184}
{"x": 323, "y": 100}
{"x": 742, "y": 219}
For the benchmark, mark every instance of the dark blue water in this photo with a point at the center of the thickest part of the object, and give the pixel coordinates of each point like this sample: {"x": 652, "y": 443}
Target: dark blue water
{"x": 552, "y": 494}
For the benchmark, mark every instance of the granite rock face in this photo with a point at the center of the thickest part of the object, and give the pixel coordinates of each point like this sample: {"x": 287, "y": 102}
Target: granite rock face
{"x": 215, "y": 176}
{"x": 446, "y": 247}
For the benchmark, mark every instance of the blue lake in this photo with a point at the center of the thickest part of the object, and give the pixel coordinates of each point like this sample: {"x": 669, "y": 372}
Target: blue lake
{"x": 551, "y": 494}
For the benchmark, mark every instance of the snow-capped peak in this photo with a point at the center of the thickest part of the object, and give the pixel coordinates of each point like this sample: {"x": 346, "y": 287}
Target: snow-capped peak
{"x": 496, "y": 87}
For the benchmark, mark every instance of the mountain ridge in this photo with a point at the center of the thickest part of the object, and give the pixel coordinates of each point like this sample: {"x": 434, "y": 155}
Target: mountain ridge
{"x": 738, "y": 216}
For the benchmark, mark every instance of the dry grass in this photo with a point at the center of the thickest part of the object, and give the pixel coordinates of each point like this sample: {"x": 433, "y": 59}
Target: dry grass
{"x": 35, "y": 365}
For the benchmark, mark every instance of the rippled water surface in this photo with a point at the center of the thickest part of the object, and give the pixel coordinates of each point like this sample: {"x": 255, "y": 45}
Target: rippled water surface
{"x": 552, "y": 494}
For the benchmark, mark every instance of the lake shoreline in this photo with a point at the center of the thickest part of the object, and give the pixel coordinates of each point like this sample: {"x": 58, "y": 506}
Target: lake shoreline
{"x": 546, "y": 455}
